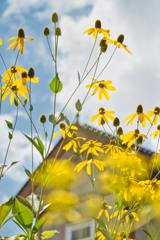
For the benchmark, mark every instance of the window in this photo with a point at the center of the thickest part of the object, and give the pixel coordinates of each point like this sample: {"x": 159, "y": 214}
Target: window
{"x": 83, "y": 230}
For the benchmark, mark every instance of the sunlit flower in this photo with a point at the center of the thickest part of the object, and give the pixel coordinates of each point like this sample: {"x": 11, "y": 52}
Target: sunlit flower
{"x": 104, "y": 210}
{"x": 125, "y": 210}
{"x": 140, "y": 114}
{"x": 65, "y": 130}
{"x": 99, "y": 164}
{"x": 156, "y": 113}
{"x": 15, "y": 88}
{"x": 113, "y": 147}
{"x": 156, "y": 132}
{"x": 150, "y": 187}
{"x": 119, "y": 42}
{"x": 103, "y": 116}
{"x": 20, "y": 40}
{"x": 74, "y": 142}
{"x": 13, "y": 72}
{"x": 24, "y": 78}
{"x": 130, "y": 137}
{"x": 102, "y": 86}
{"x": 100, "y": 235}
{"x": 98, "y": 29}
{"x": 92, "y": 146}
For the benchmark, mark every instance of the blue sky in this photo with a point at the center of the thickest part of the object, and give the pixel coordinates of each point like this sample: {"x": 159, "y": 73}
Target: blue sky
{"x": 136, "y": 76}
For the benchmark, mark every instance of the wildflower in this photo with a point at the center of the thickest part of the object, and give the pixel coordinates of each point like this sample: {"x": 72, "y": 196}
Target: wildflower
{"x": 156, "y": 113}
{"x": 42, "y": 118}
{"x": 104, "y": 209}
{"x": 122, "y": 236}
{"x": 65, "y": 130}
{"x": 140, "y": 115}
{"x": 54, "y": 17}
{"x": 101, "y": 86}
{"x": 119, "y": 42}
{"x": 125, "y": 210}
{"x": 20, "y": 40}
{"x": 130, "y": 137}
{"x": 116, "y": 122}
{"x": 103, "y": 45}
{"x": 24, "y": 78}
{"x": 119, "y": 131}
{"x": 73, "y": 142}
{"x": 99, "y": 164}
{"x": 97, "y": 29}
{"x": 103, "y": 115}
{"x": 46, "y": 31}
{"x": 100, "y": 236}
{"x": 156, "y": 132}
{"x": 113, "y": 147}
{"x": 57, "y": 31}
{"x": 12, "y": 73}
{"x": 92, "y": 146}
{"x": 15, "y": 88}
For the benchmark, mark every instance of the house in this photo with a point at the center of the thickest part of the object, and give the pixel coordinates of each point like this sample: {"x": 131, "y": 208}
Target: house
{"x": 83, "y": 228}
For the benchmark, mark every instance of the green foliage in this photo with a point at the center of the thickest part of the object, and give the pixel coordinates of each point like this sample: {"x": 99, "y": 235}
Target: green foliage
{"x": 9, "y": 135}
{"x": 39, "y": 223}
{"x": 79, "y": 79}
{"x": 48, "y": 234}
{"x": 39, "y": 146}
{"x": 31, "y": 108}
{"x": 78, "y": 105}
{"x": 9, "y": 124}
{"x": 55, "y": 85}
{"x": 5, "y": 210}
{"x": 148, "y": 234}
{"x": 29, "y": 174}
{"x": 64, "y": 162}
{"x": 25, "y": 216}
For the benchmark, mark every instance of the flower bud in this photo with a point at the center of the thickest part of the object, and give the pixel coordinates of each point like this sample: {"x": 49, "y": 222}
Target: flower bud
{"x": 31, "y": 72}
{"x": 156, "y": 110}
{"x": 57, "y": 31}
{"x": 116, "y": 122}
{"x": 119, "y": 131}
{"x": 46, "y": 31}
{"x": 21, "y": 33}
{"x": 54, "y": 17}
{"x": 120, "y": 38}
{"x": 98, "y": 24}
{"x": 42, "y": 118}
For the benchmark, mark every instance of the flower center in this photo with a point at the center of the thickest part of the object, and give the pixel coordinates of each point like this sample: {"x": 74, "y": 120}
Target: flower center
{"x": 104, "y": 205}
{"x": 91, "y": 145}
{"x": 120, "y": 38}
{"x": 62, "y": 126}
{"x": 139, "y": 109}
{"x": 14, "y": 88}
{"x": 13, "y": 69}
{"x": 23, "y": 75}
{"x": 156, "y": 110}
{"x": 98, "y": 24}
{"x": 113, "y": 142}
{"x": 101, "y": 85}
{"x": 158, "y": 127}
{"x": 101, "y": 111}
{"x": 74, "y": 135}
{"x": 21, "y": 33}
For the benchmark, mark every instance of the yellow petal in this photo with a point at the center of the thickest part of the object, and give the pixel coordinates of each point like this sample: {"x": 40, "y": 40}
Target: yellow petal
{"x": 100, "y": 94}
{"x": 89, "y": 169}
{"x": 100, "y": 213}
{"x": 106, "y": 94}
{"x": 80, "y": 166}
{"x": 11, "y": 39}
{"x": 94, "y": 117}
{"x": 30, "y": 39}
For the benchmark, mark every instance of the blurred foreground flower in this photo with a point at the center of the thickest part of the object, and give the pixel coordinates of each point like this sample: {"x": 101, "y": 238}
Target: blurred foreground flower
{"x": 99, "y": 164}
{"x": 102, "y": 86}
{"x": 20, "y": 40}
{"x": 125, "y": 210}
{"x": 119, "y": 42}
{"x": 97, "y": 30}
{"x": 156, "y": 132}
{"x": 103, "y": 115}
{"x": 104, "y": 209}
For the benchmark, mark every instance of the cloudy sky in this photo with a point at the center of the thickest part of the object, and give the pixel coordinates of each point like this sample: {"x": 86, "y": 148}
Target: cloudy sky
{"x": 136, "y": 77}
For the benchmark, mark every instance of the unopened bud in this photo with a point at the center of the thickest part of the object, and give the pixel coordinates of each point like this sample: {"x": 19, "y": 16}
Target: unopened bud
{"x": 120, "y": 38}
{"x": 57, "y": 31}
{"x": 31, "y": 72}
{"x": 46, "y": 31}
{"x": 54, "y": 17}
{"x": 116, "y": 122}
{"x": 119, "y": 131}
{"x": 42, "y": 118}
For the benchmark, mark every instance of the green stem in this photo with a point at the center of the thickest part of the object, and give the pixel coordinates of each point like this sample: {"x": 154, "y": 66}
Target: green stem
{"x": 3, "y": 61}
{"x": 50, "y": 49}
{"x": 16, "y": 59}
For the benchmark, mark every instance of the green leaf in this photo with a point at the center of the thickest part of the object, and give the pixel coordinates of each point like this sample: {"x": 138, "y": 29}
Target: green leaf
{"x": 105, "y": 233}
{"x": 9, "y": 135}
{"x": 48, "y": 234}
{"x": 100, "y": 222}
{"x": 78, "y": 106}
{"x": 79, "y": 80}
{"x": 66, "y": 120}
{"x": 46, "y": 134}
{"x": 16, "y": 102}
{"x": 41, "y": 146}
{"x": 35, "y": 144}
{"x": 9, "y": 219}
{"x": 52, "y": 118}
{"x": 128, "y": 212}
{"x": 55, "y": 85}
{"x": 31, "y": 108}
{"x": 5, "y": 210}
{"x": 77, "y": 154}
{"x": 26, "y": 216}
{"x": 19, "y": 225}
{"x": 147, "y": 233}
{"x": 5, "y": 168}
{"x": 9, "y": 124}
{"x": 39, "y": 223}
{"x": 64, "y": 162}
{"x": 29, "y": 174}
{"x": 25, "y": 102}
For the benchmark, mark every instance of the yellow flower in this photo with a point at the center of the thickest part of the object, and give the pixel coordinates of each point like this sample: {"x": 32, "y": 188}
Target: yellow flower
{"x": 12, "y": 73}
{"x": 156, "y": 113}
{"x": 140, "y": 115}
{"x": 99, "y": 164}
{"x": 98, "y": 29}
{"x": 20, "y": 40}
{"x": 103, "y": 115}
{"x": 101, "y": 86}
{"x": 15, "y": 88}
{"x": 119, "y": 43}
{"x": 121, "y": 212}
{"x": 24, "y": 78}
{"x": 130, "y": 137}
{"x": 100, "y": 236}
{"x": 104, "y": 209}
{"x": 65, "y": 130}
{"x": 1, "y": 41}
{"x": 73, "y": 142}
{"x": 113, "y": 147}
{"x": 92, "y": 146}
{"x": 156, "y": 132}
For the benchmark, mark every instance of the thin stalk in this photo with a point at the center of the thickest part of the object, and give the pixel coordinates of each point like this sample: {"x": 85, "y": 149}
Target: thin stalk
{"x": 50, "y": 49}
{"x": 3, "y": 62}
{"x": 16, "y": 59}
